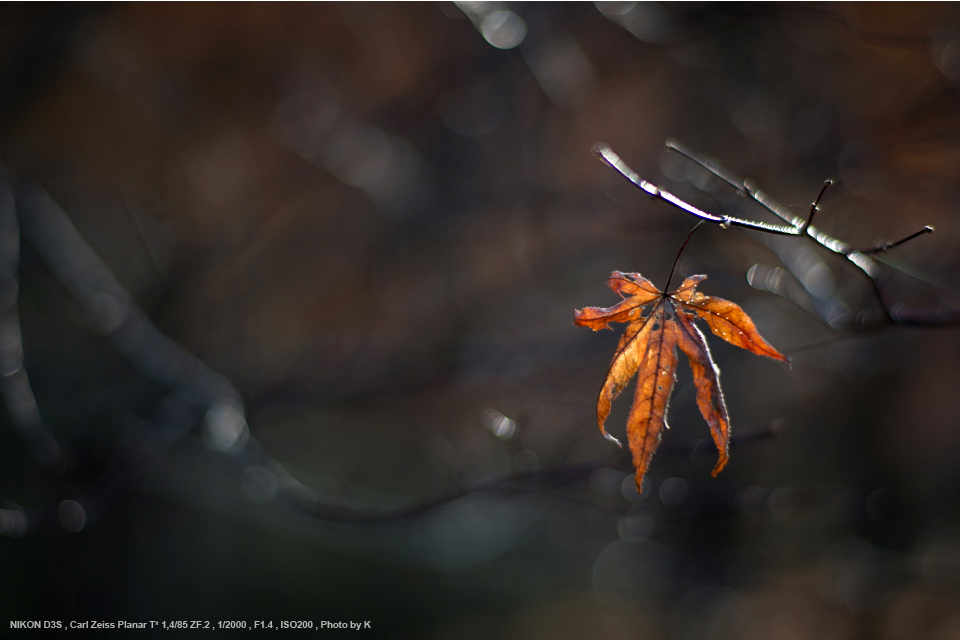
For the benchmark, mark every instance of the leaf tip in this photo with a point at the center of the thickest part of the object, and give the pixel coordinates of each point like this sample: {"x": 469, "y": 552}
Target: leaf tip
{"x": 579, "y": 320}
{"x": 776, "y": 355}
{"x": 721, "y": 463}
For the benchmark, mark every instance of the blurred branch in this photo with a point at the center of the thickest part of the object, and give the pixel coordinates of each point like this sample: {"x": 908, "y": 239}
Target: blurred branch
{"x": 533, "y": 481}
{"x": 104, "y": 493}
{"x": 110, "y": 311}
{"x": 14, "y": 382}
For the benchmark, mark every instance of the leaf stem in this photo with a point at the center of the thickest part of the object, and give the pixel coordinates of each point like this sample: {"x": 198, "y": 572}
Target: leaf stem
{"x": 676, "y": 260}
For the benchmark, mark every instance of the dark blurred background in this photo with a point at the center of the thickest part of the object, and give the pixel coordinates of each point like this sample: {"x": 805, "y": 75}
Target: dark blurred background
{"x": 374, "y": 222}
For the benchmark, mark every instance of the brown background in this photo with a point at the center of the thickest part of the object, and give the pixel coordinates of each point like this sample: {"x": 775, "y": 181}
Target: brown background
{"x": 377, "y": 226}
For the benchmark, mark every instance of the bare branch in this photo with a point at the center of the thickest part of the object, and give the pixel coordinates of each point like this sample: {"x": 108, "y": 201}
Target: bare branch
{"x": 797, "y": 227}
{"x": 813, "y": 207}
{"x": 890, "y": 245}
{"x": 607, "y": 154}
{"x": 749, "y": 188}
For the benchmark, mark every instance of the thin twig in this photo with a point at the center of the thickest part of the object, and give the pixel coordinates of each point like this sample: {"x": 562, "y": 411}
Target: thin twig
{"x": 814, "y": 208}
{"x": 890, "y": 245}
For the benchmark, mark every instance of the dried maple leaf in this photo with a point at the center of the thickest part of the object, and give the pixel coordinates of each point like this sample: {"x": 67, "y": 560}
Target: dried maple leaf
{"x": 648, "y": 349}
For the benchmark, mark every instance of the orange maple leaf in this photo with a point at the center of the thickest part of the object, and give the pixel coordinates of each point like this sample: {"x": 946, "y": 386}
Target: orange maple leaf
{"x": 648, "y": 346}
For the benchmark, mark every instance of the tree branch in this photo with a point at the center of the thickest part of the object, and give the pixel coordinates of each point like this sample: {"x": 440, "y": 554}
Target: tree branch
{"x": 607, "y": 154}
{"x": 796, "y": 226}
{"x": 890, "y": 245}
